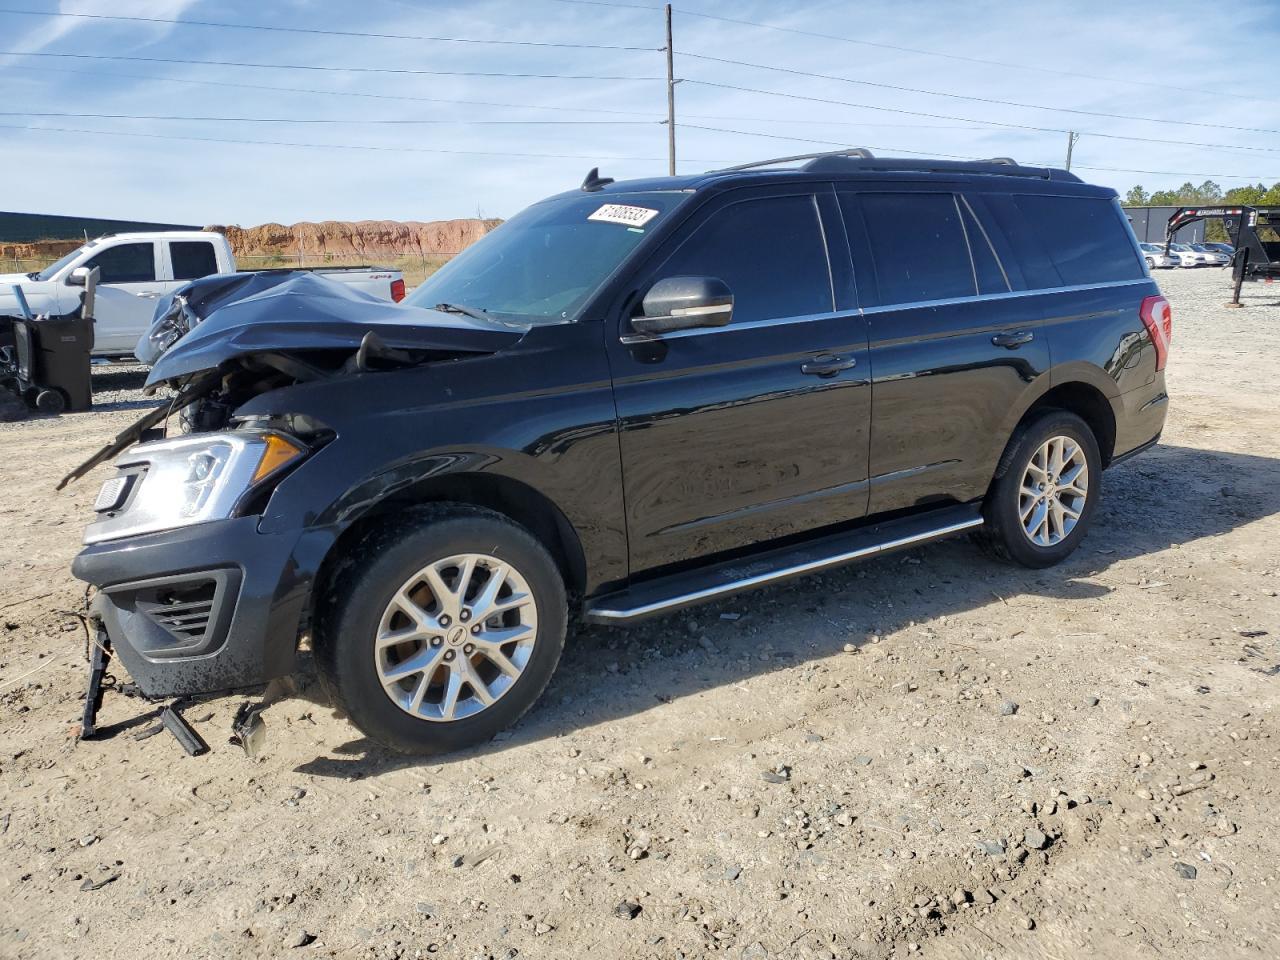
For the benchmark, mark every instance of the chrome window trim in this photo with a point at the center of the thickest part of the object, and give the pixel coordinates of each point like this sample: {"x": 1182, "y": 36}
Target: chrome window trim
{"x": 990, "y": 246}
{"x": 1010, "y": 295}
{"x": 634, "y": 338}
{"x": 637, "y": 338}
{"x": 968, "y": 244}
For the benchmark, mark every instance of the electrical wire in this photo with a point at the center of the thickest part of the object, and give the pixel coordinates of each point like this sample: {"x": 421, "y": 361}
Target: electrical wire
{"x": 334, "y": 93}
{"x": 974, "y": 125}
{"x": 318, "y": 32}
{"x": 986, "y": 123}
{"x": 1159, "y": 85}
{"x": 959, "y": 96}
{"x": 323, "y": 120}
{"x": 318, "y": 67}
{"x": 955, "y": 156}
{"x": 898, "y": 48}
{"x": 595, "y": 157}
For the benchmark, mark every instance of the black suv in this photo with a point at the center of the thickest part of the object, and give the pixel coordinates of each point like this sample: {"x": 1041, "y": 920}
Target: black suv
{"x": 627, "y": 399}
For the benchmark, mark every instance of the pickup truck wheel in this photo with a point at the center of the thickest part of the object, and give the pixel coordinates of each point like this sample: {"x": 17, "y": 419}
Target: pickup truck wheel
{"x": 1045, "y": 492}
{"x": 437, "y": 635}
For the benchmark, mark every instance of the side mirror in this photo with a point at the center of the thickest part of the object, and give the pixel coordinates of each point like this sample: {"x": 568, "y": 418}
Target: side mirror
{"x": 681, "y": 303}
{"x": 79, "y": 277}
{"x": 86, "y": 277}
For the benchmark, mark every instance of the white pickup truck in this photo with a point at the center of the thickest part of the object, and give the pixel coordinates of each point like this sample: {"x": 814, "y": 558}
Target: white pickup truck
{"x": 136, "y": 269}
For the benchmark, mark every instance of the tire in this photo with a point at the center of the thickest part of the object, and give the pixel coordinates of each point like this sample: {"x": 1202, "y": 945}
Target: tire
{"x": 51, "y": 402}
{"x": 382, "y": 589}
{"x": 1003, "y": 533}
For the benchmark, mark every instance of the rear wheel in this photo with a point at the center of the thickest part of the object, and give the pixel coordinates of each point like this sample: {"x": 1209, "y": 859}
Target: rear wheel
{"x": 439, "y": 633}
{"x": 1045, "y": 493}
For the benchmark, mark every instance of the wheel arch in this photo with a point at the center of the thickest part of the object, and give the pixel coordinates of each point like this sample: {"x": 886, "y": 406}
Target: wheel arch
{"x": 1088, "y": 403}
{"x": 510, "y": 497}
{"x": 1081, "y": 397}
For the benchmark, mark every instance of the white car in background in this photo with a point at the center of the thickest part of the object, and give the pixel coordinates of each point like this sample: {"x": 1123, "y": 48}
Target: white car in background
{"x": 1188, "y": 257}
{"x": 1156, "y": 258}
{"x": 137, "y": 269}
{"x": 1216, "y": 257}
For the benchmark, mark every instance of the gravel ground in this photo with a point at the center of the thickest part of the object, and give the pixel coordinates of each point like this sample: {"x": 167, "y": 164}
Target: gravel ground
{"x": 929, "y": 755}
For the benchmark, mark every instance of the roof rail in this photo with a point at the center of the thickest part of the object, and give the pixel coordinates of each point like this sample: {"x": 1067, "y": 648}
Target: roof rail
{"x": 860, "y": 159}
{"x": 858, "y": 153}
{"x": 998, "y": 166}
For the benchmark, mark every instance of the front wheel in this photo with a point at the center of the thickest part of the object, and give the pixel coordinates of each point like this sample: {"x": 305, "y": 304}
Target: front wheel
{"x": 441, "y": 629}
{"x": 1046, "y": 490}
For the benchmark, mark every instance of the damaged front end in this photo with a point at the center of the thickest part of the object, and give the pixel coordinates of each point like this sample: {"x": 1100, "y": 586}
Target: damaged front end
{"x": 194, "y": 593}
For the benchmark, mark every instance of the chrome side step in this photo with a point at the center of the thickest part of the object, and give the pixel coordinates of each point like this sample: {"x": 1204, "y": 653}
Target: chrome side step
{"x": 676, "y": 591}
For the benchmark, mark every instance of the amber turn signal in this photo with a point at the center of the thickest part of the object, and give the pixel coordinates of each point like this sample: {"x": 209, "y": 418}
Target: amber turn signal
{"x": 278, "y": 452}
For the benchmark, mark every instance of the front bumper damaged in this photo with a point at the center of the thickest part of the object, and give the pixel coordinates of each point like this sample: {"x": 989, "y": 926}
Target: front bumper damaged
{"x": 206, "y": 608}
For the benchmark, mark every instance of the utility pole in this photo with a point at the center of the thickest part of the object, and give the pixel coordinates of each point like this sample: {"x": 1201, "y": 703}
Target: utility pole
{"x": 671, "y": 101}
{"x": 1072, "y": 137}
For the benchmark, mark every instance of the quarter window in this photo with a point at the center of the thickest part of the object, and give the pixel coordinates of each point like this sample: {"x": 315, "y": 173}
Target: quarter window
{"x": 1084, "y": 236}
{"x": 769, "y": 251}
{"x": 192, "y": 259}
{"x": 918, "y": 246}
{"x": 127, "y": 263}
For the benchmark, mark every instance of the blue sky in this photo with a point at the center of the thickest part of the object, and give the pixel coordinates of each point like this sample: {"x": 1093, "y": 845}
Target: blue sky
{"x": 1218, "y": 56}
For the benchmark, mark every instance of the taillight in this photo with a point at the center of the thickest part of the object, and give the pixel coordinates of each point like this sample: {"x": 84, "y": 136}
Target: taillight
{"x": 1157, "y": 317}
{"x": 397, "y": 290}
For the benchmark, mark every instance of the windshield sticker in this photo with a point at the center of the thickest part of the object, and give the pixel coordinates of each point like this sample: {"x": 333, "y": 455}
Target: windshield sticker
{"x": 623, "y": 214}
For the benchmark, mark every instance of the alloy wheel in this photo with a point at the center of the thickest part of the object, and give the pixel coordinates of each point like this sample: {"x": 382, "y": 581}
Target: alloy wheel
{"x": 1054, "y": 489}
{"x": 455, "y": 637}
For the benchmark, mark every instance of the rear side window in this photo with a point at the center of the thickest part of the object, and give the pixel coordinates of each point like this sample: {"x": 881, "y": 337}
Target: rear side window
{"x": 1083, "y": 236}
{"x": 1028, "y": 253}
{"x": 769, "y": 251}
{"x": 192, "y": 259}
{"x": 918, "y": 246}
{"x": 127, "y": 263}
{"x": 986, "y": 265}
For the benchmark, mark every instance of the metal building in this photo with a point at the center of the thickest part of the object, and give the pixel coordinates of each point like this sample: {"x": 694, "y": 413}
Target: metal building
{"x": 1149, "y": 224}
{"x": 33, "y": 227}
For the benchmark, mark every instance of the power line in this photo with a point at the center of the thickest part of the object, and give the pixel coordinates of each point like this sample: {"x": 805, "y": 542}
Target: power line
{"x": 1003, "y": 64}
{"x": 987, "y": 123}
{"x": 336, "y": 93}
{"x": 321, "y": 120}
{"x": 960, "y": 96}
{"x": 343, "y": 146}
{"x": 898, "y": 48}
{"x": 317, "y": 67}
{"x": 323, "y": 33}
{"x": 955, "y": 156}
{"x": 974, "y": 125}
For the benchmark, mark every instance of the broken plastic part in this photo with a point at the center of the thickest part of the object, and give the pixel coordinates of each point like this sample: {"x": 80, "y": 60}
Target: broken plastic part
{"x": 185, "y": 734}
{"x": 248, "y": 729}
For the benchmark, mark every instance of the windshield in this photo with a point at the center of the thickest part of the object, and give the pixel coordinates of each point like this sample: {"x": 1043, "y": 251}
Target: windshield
{"x": 1180, "y": 247}
{"x": 542, "y": 264}
{"x": 1150, "y": 247}
{"x": 49, "y": 272}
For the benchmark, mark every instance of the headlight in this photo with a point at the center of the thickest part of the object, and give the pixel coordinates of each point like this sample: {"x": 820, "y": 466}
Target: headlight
{"x": 193, "y": 479}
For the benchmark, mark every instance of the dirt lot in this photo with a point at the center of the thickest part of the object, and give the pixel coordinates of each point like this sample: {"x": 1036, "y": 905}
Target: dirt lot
{"x": 834, "y": 768}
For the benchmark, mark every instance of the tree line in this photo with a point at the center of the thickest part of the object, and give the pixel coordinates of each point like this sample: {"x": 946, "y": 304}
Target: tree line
{"x": 1207, "y": 193}
{"x": 1255, "y": 195}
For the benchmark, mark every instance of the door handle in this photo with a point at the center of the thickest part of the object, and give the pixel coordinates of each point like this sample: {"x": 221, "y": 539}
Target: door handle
{"x": 1014, "y": 340}
{"x": 828, "y": 365}
{"x": 149, "y": 294}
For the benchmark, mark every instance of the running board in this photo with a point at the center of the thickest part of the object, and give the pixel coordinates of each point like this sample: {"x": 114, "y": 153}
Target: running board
{"x": 676, "y": 591}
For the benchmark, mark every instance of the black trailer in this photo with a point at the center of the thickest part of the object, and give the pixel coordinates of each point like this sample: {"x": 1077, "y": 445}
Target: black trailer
{"x": 1253, "y": 231}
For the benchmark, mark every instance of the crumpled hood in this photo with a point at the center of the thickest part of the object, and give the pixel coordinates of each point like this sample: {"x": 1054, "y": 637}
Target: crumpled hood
{"x": 299, "y": 312}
